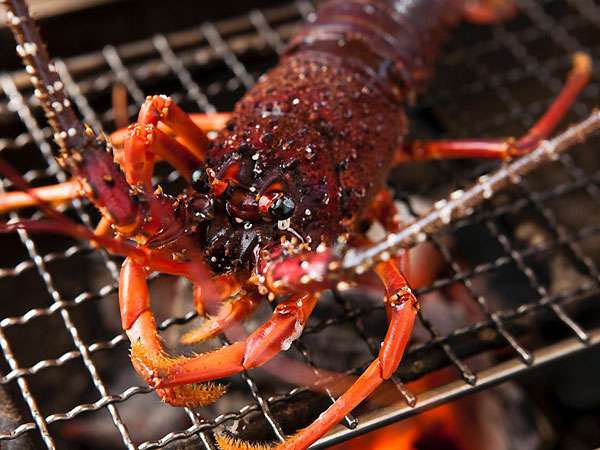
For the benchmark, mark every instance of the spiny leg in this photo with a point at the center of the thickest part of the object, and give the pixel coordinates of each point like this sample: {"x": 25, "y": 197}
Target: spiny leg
{"x": 577, "y": 79}
{"x": 140, "y": 325}
{"x": 230, "y": 313}
{"x": 181, "y": 158}
{"x": 262, "y": 345}
{"x": 166, "y": 373}
{"x": 165, "y": 131}
{"x": 402, "y": 308}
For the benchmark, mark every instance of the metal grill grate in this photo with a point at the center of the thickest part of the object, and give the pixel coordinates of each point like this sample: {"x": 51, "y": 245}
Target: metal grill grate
{"x": 515, "y": 284}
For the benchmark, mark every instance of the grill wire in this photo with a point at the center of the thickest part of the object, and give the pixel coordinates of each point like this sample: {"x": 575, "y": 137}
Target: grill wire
{"x": 490, "y": 81}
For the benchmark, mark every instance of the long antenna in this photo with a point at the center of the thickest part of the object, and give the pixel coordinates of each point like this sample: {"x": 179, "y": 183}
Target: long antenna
{"x": 461, "y": 203}
{"x": 86, "y": 155}
{"x": 70, "y": 133}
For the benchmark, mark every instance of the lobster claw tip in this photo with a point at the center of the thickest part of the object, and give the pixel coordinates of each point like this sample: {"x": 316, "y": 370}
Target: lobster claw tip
{"x": 192, "y": 395}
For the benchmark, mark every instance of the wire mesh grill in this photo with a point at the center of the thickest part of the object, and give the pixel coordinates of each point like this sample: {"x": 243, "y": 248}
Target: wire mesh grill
{"x": 528, "y": 287}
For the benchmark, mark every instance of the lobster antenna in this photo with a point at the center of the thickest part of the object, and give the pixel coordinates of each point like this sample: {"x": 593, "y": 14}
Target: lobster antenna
{"x": 461, "y": 203}
{"x": 86, "y": 155}
{"x": 70, "y": 134}
{"x": 77, "y": 141}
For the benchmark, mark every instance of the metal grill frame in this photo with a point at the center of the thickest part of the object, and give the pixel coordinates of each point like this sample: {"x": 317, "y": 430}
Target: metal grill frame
{"x": 213, "y": 41}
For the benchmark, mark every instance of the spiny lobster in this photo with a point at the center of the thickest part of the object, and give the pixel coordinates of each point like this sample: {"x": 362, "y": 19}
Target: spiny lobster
{"x": 276, "y": 204}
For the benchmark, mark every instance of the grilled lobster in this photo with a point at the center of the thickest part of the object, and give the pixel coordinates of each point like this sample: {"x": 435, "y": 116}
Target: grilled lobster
{"x": 274, "y": 201}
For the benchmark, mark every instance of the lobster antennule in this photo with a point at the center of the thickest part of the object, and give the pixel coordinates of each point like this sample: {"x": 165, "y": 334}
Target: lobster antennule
{"x": 87, "y": 156}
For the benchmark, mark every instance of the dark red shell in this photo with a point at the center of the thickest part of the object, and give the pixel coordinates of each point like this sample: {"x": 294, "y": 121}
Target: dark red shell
{"x": 317, "y": 126}
{"x": 326, "y": 121}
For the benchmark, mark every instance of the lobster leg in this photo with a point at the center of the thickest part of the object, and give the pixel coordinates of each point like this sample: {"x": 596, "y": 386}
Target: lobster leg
{"x": 402, "y": 307}
{"x": 166, "y": 373}
{"x": 383, "y": 210}
{"x": 230, "y": 313}
{"x": 144, "y": 143}
{"x": 262, "y": 345}
{"x": 164, "y": 131}
{"x": 488, "y": 11}
{"x": 160, "y": 110}
{"x": 160, "y": 124}
{"x": 509, "y": 147}
{"x": 53, "y": 194}
{"x": 140, "y": 325}
{"x": 206, "y": 123}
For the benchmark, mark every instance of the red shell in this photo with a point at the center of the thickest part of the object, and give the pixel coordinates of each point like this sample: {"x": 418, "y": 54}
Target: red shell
{"x": 327, "y": 120}
{"x": 325, "y": 131}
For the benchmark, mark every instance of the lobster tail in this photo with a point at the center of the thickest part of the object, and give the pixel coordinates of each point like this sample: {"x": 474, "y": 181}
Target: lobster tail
{"x": 86, "y": 155}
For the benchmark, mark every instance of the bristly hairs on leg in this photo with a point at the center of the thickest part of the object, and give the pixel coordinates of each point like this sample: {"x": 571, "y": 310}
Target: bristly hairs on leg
{"x": 228, "y": 442}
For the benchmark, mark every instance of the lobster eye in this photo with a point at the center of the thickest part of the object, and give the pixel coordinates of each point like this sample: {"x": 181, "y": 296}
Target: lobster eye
{"x": 282, "y": 208}
{"x": 200, "y": 181}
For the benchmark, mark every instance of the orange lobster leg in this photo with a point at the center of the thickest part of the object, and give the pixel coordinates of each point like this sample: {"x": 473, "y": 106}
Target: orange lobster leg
{"x": 488, "y": 11}
{"x": 509, "y": 147}
{"x": 54, "y": 194}
{"x": 384, "y": 211}
{"x": 160, "y": 108}
{"x": 155, "y": 135}
{"x": 143, "y": 144}
{"x": 230, "y": 313}
{"x": 402, "y": 306}
{"x": 65, "y": 192}
{"x": 210, "y": 122}
{"x": 263, "y": 344}
{"x": 166, "y": 373}
{"x": 206, "y": 122}
{"x": 140, "y": 325}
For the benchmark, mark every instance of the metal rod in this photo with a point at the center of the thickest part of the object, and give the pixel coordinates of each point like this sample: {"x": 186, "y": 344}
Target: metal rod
{"x": 486, "y": 378}
{"x": 461, "y": 203}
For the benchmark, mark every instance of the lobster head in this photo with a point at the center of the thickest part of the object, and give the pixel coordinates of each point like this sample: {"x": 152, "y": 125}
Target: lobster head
{"x": 266, "y": 179}
{"x": 235, "y": 218}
